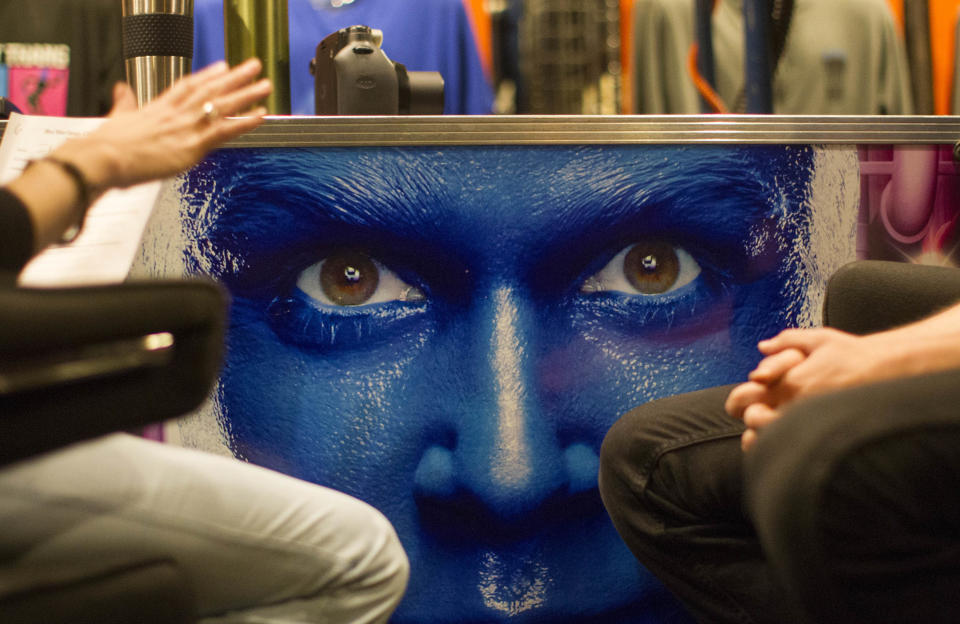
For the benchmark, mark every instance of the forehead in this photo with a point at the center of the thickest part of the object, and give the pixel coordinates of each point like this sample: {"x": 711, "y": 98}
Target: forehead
{"x": 511, "y": 169}
{"x": 515, "y": 191}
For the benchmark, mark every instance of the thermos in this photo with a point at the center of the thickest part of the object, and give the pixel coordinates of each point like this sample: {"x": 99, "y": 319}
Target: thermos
{"x": 157, "y": 44}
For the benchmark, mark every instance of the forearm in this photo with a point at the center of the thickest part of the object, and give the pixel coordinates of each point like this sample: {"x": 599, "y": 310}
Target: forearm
{"x": 16, "y": 237}
{"x": 926, "y": 346}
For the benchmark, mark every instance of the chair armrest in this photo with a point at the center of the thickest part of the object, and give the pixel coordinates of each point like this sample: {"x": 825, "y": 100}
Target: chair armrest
{"x": 38, "y": 327}
{"x": 871, "y": 295}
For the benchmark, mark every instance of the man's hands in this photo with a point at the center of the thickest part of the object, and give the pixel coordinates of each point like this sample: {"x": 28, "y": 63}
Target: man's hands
{"x": 800, "y": 363}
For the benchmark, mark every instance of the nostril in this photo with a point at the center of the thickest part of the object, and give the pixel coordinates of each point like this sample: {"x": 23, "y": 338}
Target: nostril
{"x": 582, "y": 465}
{"x": 434, "y": 476}
{"x": 452, "y": 503}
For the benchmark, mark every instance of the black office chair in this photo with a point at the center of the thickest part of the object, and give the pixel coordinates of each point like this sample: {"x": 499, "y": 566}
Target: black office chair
{"x": 873, "y": 295}
{"x": 82, "y": 362}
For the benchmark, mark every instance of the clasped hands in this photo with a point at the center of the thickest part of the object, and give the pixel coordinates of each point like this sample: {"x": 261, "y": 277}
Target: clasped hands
{"x": 800, "y": 363}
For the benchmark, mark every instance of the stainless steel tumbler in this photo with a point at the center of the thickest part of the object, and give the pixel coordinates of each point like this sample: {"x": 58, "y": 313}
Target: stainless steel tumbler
{"x": 157, "y": 44}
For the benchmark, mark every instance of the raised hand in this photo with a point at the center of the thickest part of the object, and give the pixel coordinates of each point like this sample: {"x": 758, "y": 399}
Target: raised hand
{"x": 172, "y": 132}
{"x": 168, "y": 136}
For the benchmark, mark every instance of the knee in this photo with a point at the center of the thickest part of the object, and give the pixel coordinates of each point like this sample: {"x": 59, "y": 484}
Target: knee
{"x": 830, "y": 487}
{"x": 359, "y": 557}
{"x": 625, "y": 453}
{"x": 783, "y": 474}
{"x": 394, "y": 561}
{"x": 830, "y": 440}
{"x": 666, "y": 449}
{"x": 795, "y": 461}
{"x": 790, "y": 475}
{"x": 387, "y": 569}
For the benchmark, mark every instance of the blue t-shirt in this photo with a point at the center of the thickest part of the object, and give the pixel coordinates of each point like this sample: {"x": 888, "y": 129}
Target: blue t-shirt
{"x": 424, "y": 35}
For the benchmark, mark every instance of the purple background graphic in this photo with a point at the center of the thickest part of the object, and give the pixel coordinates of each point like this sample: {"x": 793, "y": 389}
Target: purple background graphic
{"x": 910, "y": 198}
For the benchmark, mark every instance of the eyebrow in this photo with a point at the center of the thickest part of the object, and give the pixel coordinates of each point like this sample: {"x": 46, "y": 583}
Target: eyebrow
{"x": 705, "y": 194}
{"x": 697, "y": 186}
{"x": 385, "y": 197}
{"x": 281, "y": 209}
{"x": 702, "y": 196}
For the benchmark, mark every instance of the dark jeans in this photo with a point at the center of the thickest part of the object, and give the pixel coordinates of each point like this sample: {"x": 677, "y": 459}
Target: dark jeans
{"x": 847, "y": 509}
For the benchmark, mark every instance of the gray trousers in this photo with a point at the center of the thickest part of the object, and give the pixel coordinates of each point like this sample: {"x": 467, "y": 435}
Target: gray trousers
{"x": 255, "y": 545}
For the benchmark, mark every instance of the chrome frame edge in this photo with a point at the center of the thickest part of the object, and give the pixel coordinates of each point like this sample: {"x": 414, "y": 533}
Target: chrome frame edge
{"x": 311, "y": 131}
{"x": 308, "y": 131}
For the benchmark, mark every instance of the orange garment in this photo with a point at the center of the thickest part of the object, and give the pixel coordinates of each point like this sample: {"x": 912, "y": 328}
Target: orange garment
{"x": 896, "y": 6}
{"x": 943, "y": 22}
{"x": 482, "y": 32}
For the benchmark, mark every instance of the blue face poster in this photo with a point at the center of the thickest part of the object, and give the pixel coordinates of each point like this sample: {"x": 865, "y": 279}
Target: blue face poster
{"x": 448, "y": 332}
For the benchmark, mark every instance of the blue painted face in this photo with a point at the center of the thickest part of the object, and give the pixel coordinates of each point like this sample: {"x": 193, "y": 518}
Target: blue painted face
{"x": 448, "y": 334}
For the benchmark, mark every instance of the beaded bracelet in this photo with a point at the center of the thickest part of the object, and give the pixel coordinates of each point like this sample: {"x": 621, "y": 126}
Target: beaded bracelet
{"x": 84, "y": 193}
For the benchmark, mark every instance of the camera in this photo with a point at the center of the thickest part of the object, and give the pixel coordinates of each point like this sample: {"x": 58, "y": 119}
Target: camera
{"x": 353, "y": 76}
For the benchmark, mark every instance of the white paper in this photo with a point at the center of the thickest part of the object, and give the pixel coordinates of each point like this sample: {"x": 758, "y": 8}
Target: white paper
{"x": 111, "y": 234}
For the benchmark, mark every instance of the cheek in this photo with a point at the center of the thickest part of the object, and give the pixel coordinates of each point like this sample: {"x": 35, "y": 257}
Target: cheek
{"x": 770, "y": 305}
{"x": 326, "y": 418}
{"x": 615, "y": 373}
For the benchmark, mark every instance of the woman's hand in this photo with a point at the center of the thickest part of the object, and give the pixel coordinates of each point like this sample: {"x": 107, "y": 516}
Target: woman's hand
{"x": 168, "y": 136}
{"x": 171, "y": 133}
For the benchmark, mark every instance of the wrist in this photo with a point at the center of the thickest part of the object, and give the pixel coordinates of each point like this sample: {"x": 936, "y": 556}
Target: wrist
{"x": 94, "y": 160}
{"x": 83, "y": 193}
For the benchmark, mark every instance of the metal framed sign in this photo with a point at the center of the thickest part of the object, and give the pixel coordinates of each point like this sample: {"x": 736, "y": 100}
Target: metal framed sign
{"x": 443, "y": 316}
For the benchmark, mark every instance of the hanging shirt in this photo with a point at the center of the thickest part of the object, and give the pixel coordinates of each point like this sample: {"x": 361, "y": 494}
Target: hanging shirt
{"x": 662, "y": 34}
{"x": 423, "y": 35}
{"x": 840, "y": 58}
{"x": 61, "y": 57}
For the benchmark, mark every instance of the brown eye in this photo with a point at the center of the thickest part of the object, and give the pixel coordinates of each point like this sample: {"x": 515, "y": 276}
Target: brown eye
{"x": 352, "y": 277}
{"x": 651, "y": 267}
{"x": 647, "y": 268}
{"x": 349, "y": 278}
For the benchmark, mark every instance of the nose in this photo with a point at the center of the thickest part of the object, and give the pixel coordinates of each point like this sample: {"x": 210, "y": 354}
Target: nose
{"x": 502, "y": 458}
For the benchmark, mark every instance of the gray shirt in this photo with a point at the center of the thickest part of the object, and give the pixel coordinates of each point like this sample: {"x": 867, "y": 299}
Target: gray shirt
{"x": 842, "y": 57}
